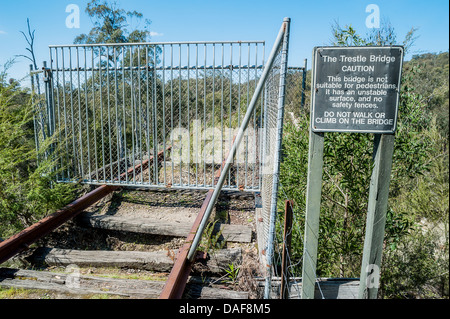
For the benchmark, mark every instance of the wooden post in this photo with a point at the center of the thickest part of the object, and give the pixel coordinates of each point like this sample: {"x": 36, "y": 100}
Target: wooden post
{"x": 376, "y": 216}
{"x": 287, "y": 236}
{"x": 313, "y": 197}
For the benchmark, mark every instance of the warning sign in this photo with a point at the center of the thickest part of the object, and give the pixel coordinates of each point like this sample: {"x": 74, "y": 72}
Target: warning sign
{"x": 356, "y": 89}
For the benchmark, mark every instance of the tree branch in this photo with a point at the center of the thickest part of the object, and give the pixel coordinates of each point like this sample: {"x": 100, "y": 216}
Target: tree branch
{"x": 30, "y": 41}
{"x": 24, "y": 56}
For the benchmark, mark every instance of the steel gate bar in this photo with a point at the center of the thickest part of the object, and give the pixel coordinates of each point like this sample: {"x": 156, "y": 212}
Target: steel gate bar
{"x": 286, "y": 252}
{"x": 277, "y": 159}
{"x": 282, "y": 37}
{"x": 176, "y": 282}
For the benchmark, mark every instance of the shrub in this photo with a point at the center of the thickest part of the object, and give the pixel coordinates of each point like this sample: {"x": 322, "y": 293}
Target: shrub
{"x": 27, "y": 192}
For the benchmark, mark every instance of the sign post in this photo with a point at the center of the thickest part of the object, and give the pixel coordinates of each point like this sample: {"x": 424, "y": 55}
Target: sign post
{"x": 313, "y": 195}
{"x": 376, "y": 216}
{"x": 356, "y": 90}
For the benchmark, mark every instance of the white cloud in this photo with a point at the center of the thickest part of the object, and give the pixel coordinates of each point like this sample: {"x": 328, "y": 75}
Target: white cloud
{"x": 156, "y": 34}
{"x": 2, "y": 32}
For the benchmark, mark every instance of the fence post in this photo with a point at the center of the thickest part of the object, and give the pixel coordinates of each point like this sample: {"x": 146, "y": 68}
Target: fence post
{"x": 376, "y": 216}
{"x": 313, "y": 197}
{"x": 277, "y": 158}
{"x": 48, "y": 89}
{"x": 35, "y": 124}
{"x": 302, "y": 103}
{"x": 285, "y": 261}
{"x": 46, "y": 80}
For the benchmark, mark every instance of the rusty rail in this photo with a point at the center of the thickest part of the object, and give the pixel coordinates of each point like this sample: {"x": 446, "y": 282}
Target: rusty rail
{"x": 176, "y": 283}
{"x": 22, "y": 240}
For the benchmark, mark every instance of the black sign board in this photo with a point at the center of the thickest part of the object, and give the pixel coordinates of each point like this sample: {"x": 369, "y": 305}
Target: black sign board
{"x": 356, "y": 89}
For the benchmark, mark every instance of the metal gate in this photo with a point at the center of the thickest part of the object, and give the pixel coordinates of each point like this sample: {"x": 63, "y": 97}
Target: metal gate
{"x": 115, "y": 105}
{"x": 106, "y": 109}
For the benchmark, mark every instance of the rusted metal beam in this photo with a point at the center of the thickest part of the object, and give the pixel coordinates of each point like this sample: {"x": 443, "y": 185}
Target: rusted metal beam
{"x": 176, "y": 283}
{"x": 144, "y": 164}
{"x": 22, "y": 240}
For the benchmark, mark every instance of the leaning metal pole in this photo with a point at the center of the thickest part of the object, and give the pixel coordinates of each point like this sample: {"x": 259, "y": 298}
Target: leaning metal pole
{"x": 240, "y": 134}
{"x": 276, "y": 166}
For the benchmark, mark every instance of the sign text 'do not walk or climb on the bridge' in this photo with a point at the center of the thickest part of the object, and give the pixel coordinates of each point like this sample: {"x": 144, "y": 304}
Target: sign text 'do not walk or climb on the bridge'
{"x": 356, "y": 89}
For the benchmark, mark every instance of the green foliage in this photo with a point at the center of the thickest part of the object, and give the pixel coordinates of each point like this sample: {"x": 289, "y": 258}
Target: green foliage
{"x": 418, "y": 267}
{"x": 110, "y": 24}
{"x": 384, "y": 35}
{"x": 294, "y": 93}
{"x": 346, "y": 179}
{"x": 26, "y": 190}
{"x": 346, "y": 36}
{"x": 232, "y": 273}
{"x": 429, "y": 73}
{"x": 211, "y": 240}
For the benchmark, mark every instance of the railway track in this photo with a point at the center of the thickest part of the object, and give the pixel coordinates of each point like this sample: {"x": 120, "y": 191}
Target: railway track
{"x": 127, "y": 244}
{"x": 112, "y": 231}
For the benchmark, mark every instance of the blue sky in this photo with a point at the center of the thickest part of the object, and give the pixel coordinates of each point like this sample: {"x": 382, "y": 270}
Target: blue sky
{"x": 201, "y": 20}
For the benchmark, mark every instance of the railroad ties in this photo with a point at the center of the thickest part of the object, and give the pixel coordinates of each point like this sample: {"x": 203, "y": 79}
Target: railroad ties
{"x": 125, "y": 245}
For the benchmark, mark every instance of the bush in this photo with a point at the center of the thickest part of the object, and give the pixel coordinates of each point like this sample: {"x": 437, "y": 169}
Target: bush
{"x": 418, "y": 267}
{"x": 27, "y": 192}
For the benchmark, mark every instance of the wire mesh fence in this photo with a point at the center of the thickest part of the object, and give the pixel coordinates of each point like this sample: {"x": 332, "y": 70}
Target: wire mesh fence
{"x": 110, "y": 107}
{"x": 116, "y": 105}
{"x": 109, "y": 113}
